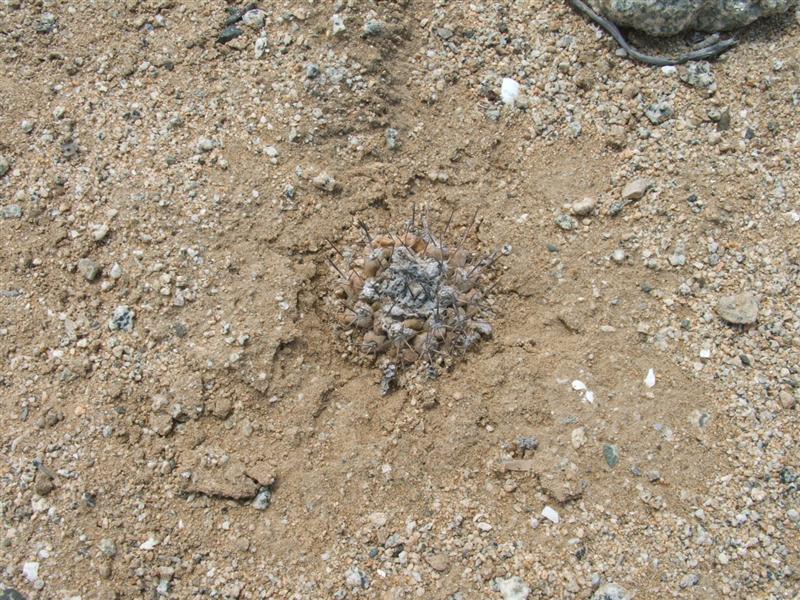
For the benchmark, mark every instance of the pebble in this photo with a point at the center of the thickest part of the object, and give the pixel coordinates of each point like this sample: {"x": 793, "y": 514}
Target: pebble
{"x": 30, "y": 570}
{"x": 438, "y": 562}
{"x": 262, "y": 499}
{"x": 228, "y": 34}
{"x": 611, "y": 454}
{"x": 108, "y": 547}
{"x": 99, "y": 233}
{"x": 4, "y": 165}
{"x": 10, "y": 594}
{"x": 636, "y": 189}
{"x": 581, "y": 208}
{"x": 254, "y": 18}
{"x": 374, "y": 27}
{"x": 578, "y": 437}
{"x": 12, "y": 211}
{"x": 618, "y": 256}
{"x": 325, "y": 182}
{"x": 205, "y": 144}
{"x": 611, "y": 591}
{"x": 337, "y": 25}
{"x": 355, "y": 577}
{"x": 88, "y": 268}
{"x": 512, "y": 588}
{"x": 566, "y": 222}
{"x": 739, "y": 309}
{"x": 551, "y": 514}
{"x": 116, "y": 271}
{"x": 260, "y": 48}
{"x": 122, "y": 319}
{"x": 509, "y": 90}
{"x": 26, "y": 126}
{"x": 391, "y": 138}
{"x": 658, "y": 113}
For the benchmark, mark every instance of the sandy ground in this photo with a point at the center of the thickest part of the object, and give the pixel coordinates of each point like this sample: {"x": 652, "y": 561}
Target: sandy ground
{"x": 180, "y": 413}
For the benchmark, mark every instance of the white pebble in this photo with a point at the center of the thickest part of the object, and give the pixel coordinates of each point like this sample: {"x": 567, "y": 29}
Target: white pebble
{"x": 31, "y": 571}
{"x": 650, "y": 380}
{"x": 550, "y": 514}
{"x": 509, "y": 91}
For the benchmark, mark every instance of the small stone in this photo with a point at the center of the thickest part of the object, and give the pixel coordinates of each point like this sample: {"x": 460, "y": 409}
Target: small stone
{"x": 254, "y": 18}
{"x": 10, "y": 594}
{"x": 739, "y": 309}
{"x": 618, "y": 256}
{"x": 99, "y": 233}
{"x": 12, "y": 211}
{"x": 659, "y": 112}
{"x": 699, "y": 75}
{"x": 636, "y": 189}
{"x": 566, "y": 222}
{"x": 611, "y": 591}
{"x": 337, "y": 25}
{"x": 355, "y": 577}
{"x": 4, "y": 165}
{"x": 108, "y": 547}
{"x": 261, "y": 45}
{"x": 438, "y": 562}
{"x": 793, "y": 515}
{"x": 30, "y": 570}
{"x": 689, "y": 580}
{"x": 205, "y": 144}
{"x": 724, "y": 121}
{"x": 374, "y": 27}
{"x": 122, "y": 319}
{"x": 116, "y": 271}
{"x": 550, "y": 513}
{"x": 611, "y": 454}
{"x": 512, "y": 588}
{"x": 161, "y": 423}
{"x": 581, "y": 208}
{"x": 325, "y": 182}
{"x": 578, "y": 437}
{"x": 228, "y": 34}
{"x": 391, "y": 138}
{"x": 26, "y": 126}
{"x": 787, "y": 399}
{"x": 262, "y": 499}
{"x": 43, "y": 484}
{"x": 88, "y": 268}
{"x": 312, "y": 71}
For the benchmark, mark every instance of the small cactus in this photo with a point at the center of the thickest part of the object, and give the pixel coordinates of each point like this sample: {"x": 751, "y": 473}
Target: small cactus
{"x": 409, "y": 300}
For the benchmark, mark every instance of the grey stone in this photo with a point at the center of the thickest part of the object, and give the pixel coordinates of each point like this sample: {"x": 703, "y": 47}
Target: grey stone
{"x": 670, "y": 17}
{"x": 374, "y": 27}
{"x": 254, "y": 18}
{"x": 312, "y": 71}
{"x": 228, "y": 34}
{"x": 699, "y": 75}
{"x": 262, "y": 499}
{"x": 739, "y": 309}
{"x": 635, "y": 189}
{"x": 512, "y": 588}
{"x": 4, "y": 165}
{"x": 355, "y": 577}
{"x": 583, "y": 207}
{"x": 108, "y": 547}
{"x": 122, "y": 319}
{"x": 658, "y": 112}
{"x": 325, "y": 182}
{"x": 566, "y": 222}
{"x": 611, "y": 591}
{"x": 12, "y": 211}
{"x": 391, "y": 138}
{"x": 611, "y": 454}
{"x": 618, "y": 256}
{"x": 11, "y": 594}
{"x": 88, "y": 268}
